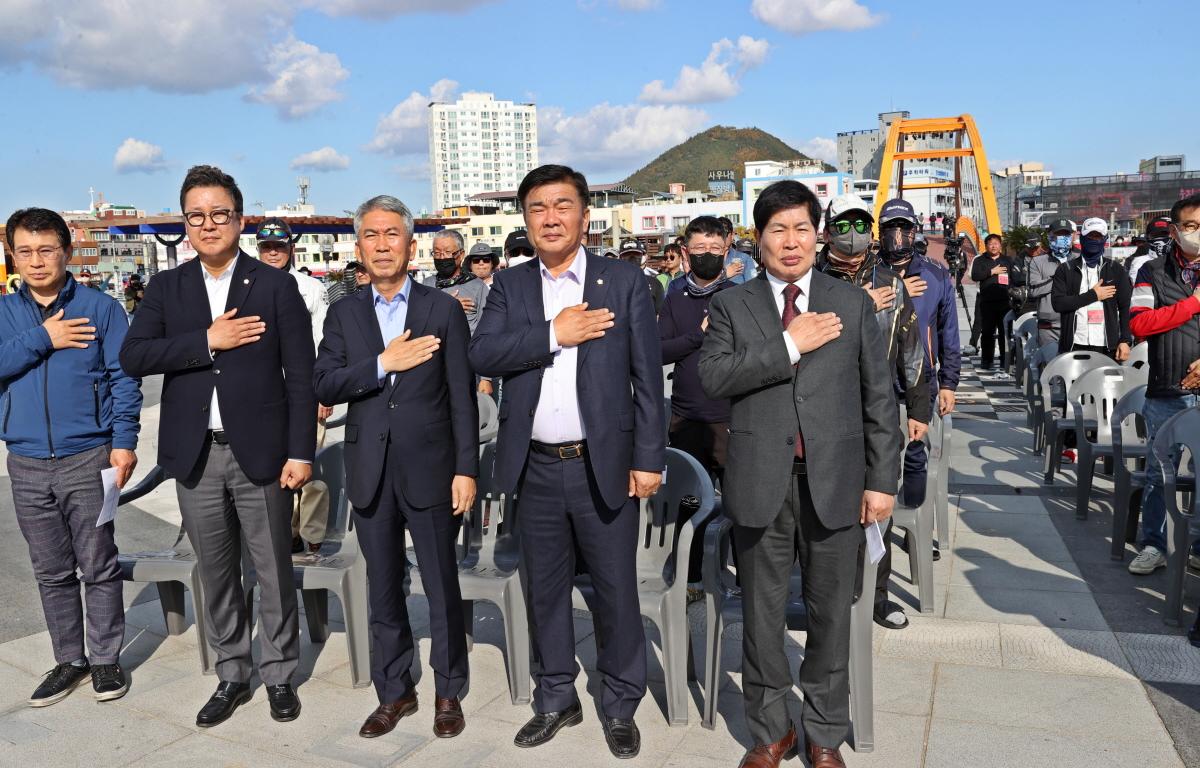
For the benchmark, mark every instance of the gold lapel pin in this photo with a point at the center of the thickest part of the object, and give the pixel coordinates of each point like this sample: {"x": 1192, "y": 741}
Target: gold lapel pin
{"x": 246, "y": 281}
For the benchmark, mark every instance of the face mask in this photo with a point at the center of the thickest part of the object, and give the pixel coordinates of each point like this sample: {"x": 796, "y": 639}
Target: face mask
{"x": 706, "y": 265}
{"x": 445, "y": 267}
{"x": 1189, "y": 244}
{"x": 896, "y": 244}
{"x": 1160, "y": 245}
{"x": 1092, "y": 250}
{"x": 852, "y": 244}
{"x": 1060, "y": 246}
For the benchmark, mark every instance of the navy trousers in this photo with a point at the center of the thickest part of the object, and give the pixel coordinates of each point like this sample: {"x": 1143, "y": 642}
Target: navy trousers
{"x": 561, "y": 512}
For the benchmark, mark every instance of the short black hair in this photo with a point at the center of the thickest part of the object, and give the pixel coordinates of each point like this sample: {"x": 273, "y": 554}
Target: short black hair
{"x": 726, "y": 226}
{"x": 988, "y": 239}
{"x": 353, "y": 266}
{"x": 37, "y": 220}
{"x": 210, "y": 176}
{"x": 553, "y": 174}
{"x": 1191, "y": 201}
{"x": 675, "y": 248}
{"x": 705, "y": 225}
{"x": 782, "y": 195}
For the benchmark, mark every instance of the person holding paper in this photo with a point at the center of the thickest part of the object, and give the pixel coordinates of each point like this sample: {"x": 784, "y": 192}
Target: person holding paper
{"x": 814, "y": 456}
{"x": 67, "y": 413}
{"x": 1092, "y": 296}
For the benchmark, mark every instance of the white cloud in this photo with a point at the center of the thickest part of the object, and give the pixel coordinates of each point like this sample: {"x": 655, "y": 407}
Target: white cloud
{"x": 137, "y": 156}
{"x": 613, "y": 136}
{"x": 384, "y": 9}
{"x": 821, "y": 148}
{"x": 803, "y": 16}
{"x": 305, "y": 79}
{"x": 320, "y": 160}
{"x": 413, "y": 171}
{"x": 639, "y": 5}
{"x": 405, "y": 130}
{"x": 716, "y": 79}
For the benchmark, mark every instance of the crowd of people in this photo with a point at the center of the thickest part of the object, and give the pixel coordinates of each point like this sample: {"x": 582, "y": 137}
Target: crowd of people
{"x": 803, "y": 381}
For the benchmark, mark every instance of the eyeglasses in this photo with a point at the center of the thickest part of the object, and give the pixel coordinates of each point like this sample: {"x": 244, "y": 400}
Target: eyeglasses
{"x": 481, "y": 259}
{"x": 1188, "y": 227}
{"x": 446, "y": 254}
{"x": 45, "y": 252}
{"x": 219, "y": 217}
{"x": 271, "y": 231}
{"x": 843, "y": 226}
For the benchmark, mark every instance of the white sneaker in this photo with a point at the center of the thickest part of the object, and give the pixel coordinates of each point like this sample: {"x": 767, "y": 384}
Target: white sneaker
{"x": 1149, "y": 560}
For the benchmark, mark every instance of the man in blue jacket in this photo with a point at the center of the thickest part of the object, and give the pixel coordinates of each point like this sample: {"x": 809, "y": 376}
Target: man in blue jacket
{"x": 67, "y": 412}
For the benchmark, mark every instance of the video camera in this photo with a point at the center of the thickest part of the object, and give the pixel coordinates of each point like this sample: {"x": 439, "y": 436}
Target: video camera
{"x": 953, "y": 253}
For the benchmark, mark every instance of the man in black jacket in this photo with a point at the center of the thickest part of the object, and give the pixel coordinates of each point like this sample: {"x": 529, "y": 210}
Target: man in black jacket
{"x": 237, "y": 431}
{"x": 1091, "y": 295}
{"x": 993, "y": 272}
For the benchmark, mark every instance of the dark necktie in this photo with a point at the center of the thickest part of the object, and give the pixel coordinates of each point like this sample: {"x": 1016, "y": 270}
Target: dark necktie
{"x": 790, "y": 293}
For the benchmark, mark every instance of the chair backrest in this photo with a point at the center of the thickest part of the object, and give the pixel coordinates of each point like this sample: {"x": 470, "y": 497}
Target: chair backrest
{"x": 1126, "y": 430}
{"x": 1181, "y": 430}
{"x": 1038, "y": 357}
{"x": 489, "y": 417}
{"x": 489, "y": 527}
{"x": 330, "y": 468}
{"x": 1025, "y": 326}
{"x": 683, "y": 477}
{"x": 1066, "y": 368}
{"x": 1094, "y": 397}
{"x": 1139, "y": 356}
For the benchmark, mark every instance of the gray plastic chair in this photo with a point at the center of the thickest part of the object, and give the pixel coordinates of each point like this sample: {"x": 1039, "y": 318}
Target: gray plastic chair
{"x": 918, "y": 521}
{"x": 662, "y": 563}
{"x": 1128, "y": 433}
{"x": 489, "y": 417}
{"x": 1023, "y": 330}
{"x": 171, "y": 572}
{"x": 1062, "y": 372}
{"x": 1139, "y": 356}
{"x": 940, "y": 437}
{"x": 1180, "y": 431}
{"x": 1038, "y": 358}
{"x": 1094, "y": 398}
{"x": 489, "y": 572}
{"x": 340, "y": 568}
{"x": 723, "y": 603}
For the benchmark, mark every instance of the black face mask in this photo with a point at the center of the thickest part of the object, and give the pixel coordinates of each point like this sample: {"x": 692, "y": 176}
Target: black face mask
{"x": 896, "y": 244}
{"x": 445, "y": 267}
{"x": 706, "y": 265}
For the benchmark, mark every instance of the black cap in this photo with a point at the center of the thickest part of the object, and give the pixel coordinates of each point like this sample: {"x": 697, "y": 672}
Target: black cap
{"x": 354, "y": 266}
{"x": 897, "y": 209}
{"x": 745, "y": 245}
{"x": 632, "y": 246}
{"x": 1060, "y": 225}
{"x": 274, "y": 230}
{"x": 1160, "y": 227}
{"x": 517, "y": 239}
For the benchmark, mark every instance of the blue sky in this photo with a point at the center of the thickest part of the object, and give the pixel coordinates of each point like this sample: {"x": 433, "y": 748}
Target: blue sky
{"x": 124, "y": 95}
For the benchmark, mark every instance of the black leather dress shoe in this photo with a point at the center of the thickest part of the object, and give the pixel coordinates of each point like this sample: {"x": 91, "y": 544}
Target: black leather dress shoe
{"x": 623, "y": 738}
{"x": 285, "y": 704}
{"x": 229, "y": 696}
{"x": 542, "y": 726}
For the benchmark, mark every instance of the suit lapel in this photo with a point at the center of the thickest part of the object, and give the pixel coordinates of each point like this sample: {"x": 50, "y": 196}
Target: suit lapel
{"x": 595, "y": 292}
{"x": 195, "y": 293}
{"x": 760, "y": 300}
{"x": 364, "y": 315}
{"x": 241, "y": 281}
{"x": 530, "y": 280}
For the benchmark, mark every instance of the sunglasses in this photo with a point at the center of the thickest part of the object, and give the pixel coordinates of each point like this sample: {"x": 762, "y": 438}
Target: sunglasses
{"x": 842, "y": 227}
{"x": 272, "y": 232}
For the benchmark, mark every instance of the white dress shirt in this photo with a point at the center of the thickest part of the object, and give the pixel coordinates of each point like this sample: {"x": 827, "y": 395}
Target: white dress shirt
{"x": 777, "y": 286}
{"x": 557, "y": 419}
{"x": 218, "y": 296}
{"x": 312, "y": 291}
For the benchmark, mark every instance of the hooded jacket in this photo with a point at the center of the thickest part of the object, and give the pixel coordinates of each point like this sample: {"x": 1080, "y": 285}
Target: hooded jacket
{"x": 1067, "y": 300}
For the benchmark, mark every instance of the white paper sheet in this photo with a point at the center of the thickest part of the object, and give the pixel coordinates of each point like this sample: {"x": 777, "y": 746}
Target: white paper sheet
{"x": 108, "y": 513}
{"x": 874, "y": 542}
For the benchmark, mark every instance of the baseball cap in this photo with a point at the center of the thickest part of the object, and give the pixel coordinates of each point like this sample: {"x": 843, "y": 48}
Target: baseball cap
{"x": 517, "y": 239}
{"x": 1094, "y": 224}
{"x": 897, "y": 209}
{"x": 632, "y": 246}
{"x": 745, "y": 245}
{"x": 844, "y": 203}
{"x": 1061, "y": 225}
{"x": 609, "y": 253}
{"x": 1159, "y": 228}
{"x": 274, "y": 230}
{"x": 481, "y": 249}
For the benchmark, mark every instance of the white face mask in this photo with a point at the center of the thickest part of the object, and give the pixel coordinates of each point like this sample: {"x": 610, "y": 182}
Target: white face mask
{"x": 1188, "y": 243}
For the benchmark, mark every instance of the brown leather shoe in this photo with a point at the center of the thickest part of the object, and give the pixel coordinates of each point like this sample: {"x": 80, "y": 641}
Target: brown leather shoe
{"x": 448, "y": 720}
{"x": 824, "y": 757}
{"x": 385, "y": 716}
{"x": 770, "y": 755}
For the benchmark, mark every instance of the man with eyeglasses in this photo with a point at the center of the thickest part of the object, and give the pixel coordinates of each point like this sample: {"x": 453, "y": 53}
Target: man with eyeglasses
{"x": 846, "y": 256}
{"x": 68, "y": 413}
{"x": 237, "y": 432}
{"x": 449, "y": 249}
{"x": 1166, "y": 311}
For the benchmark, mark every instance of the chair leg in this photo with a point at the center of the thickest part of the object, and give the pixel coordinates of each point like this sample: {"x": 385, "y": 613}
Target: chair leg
{"x": 170, "y": 598}
{"x": 1085, "y": 474}
{"x": 1121, "y": 500}
{"x": 862, "y": 698}
{"x": 924, "y": 560}
{"x": 354, "y": 611}
{"x": 316, "y": 611}
{"x": 1052, "y": 453}
{"x": 516, "y": 642}
{"x": 714, "y": 626}
{"x": 1177, "y": 555}
{"x": 675, "y": 659}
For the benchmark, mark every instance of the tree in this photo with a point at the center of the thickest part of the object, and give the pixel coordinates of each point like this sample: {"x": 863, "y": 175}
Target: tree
{"x": 1016, "y": 238}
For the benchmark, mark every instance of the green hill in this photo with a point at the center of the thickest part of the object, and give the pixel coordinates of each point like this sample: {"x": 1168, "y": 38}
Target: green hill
{"x": 719, "y": 148}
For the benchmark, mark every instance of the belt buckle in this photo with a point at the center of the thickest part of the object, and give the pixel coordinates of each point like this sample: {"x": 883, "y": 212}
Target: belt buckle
{"x": 570, "y": 451}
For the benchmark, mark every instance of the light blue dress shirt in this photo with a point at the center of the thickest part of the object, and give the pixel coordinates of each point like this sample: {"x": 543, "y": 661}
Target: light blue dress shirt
{"x": 391, "y": 316}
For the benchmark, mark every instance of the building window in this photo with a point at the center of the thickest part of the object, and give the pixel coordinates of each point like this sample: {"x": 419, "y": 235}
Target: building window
{"x": 822, "y": 189}
{"x": 647, "y": 222}
{"x": 495, "y": 230}
{"x": 476, "y": 231}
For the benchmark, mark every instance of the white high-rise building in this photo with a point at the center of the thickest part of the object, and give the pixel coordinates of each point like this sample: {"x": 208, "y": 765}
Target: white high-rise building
{"x": 478, "y": 144}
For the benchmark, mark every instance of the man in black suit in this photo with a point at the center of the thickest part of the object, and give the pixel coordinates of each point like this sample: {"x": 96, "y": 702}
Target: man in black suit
{"x": 237, "y": 431}
{"x": 581, "y": 435}
{"x": 814, "y": 448}
{"x": 397, "y": 352}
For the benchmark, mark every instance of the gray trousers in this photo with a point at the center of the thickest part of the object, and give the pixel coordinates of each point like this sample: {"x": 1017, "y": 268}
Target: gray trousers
{"x": 1047, "y": 336}
{"x": 57, "y": 502}
{"x": 223, "y": 510}
{"x": 829, "y": 564}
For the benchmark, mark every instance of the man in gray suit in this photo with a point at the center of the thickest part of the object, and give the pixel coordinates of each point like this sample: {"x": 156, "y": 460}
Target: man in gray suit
{"x": 814, "y": 450}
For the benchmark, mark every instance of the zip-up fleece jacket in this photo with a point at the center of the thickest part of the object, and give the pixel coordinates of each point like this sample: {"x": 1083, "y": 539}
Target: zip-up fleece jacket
{"x": 56, "y": 403}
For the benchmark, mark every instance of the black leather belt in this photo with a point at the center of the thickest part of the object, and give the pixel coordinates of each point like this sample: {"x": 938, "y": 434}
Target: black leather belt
{"x": 218, "y": 436}
{"x": 560, "y": 451}
{"x": 799, "y": 467}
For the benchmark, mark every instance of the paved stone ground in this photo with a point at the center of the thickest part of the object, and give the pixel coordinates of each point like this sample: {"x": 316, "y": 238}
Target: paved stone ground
{"x": 1039, "y": 651}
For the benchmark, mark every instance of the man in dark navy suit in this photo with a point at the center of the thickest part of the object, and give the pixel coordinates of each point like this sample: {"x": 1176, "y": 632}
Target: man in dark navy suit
{"x": 581, "y": 435}
{"x": 237, "y": 431}
{"x": 397, "y": 352}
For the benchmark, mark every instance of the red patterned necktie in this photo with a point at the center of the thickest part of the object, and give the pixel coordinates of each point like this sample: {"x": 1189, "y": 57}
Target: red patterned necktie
{"x": 790, "y": 293}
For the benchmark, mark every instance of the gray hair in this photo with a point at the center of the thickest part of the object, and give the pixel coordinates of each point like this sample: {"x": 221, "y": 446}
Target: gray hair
{"x": 453, "y": 234}
{"x": 384, "y": 203}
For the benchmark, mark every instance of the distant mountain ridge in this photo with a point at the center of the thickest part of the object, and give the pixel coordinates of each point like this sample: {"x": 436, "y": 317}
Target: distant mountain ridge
{"x": 717, "y": 149}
